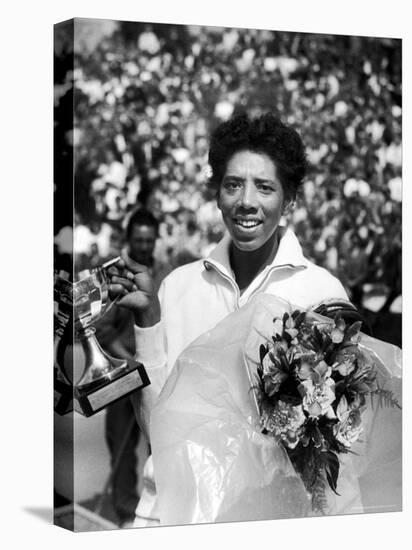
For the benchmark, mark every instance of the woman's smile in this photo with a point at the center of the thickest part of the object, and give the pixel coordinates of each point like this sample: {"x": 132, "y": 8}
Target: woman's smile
{"x": 247, "y": 223}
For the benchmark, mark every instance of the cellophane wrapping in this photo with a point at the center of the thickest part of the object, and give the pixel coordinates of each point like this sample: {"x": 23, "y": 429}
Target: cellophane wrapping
{"x": 213, "y": 464}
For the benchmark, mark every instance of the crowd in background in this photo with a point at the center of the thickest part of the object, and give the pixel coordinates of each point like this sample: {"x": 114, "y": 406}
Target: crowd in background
{"x": 148, "y": 95}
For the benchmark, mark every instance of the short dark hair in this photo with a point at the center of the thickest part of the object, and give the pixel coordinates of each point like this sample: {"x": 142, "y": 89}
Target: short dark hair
{"x": 142, "y": 216}
{"x": 264, "y": 134}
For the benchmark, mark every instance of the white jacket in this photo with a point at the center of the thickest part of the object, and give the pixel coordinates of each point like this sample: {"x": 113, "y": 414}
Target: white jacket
{"x": 197, "y": 296}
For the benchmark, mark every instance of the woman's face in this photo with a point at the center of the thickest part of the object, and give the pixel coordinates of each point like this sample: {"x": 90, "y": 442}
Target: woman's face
{"x": 251, "y": 199}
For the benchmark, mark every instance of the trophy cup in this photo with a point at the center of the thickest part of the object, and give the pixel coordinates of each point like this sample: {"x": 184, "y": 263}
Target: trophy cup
{"x": 63, "y": 310}
{"x": 105, "y": 379}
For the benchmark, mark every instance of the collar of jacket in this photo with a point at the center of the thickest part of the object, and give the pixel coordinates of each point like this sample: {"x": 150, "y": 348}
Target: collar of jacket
{"x": 289, "y": 255}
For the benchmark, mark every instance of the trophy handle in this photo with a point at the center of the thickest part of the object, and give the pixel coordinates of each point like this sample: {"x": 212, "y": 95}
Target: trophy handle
{"x": 102, "y": 275}
{"x": 111, "y": 304}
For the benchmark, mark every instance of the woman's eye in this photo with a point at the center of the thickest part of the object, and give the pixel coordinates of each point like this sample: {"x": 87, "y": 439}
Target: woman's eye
{"x": 231, "y": 184}
{"x": 265, "y": 188}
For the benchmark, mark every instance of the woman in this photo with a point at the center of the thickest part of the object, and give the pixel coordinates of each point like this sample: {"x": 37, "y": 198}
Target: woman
{"x": 257, "y": 167}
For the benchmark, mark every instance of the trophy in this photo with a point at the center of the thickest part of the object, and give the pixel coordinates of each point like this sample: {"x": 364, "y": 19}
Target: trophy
{"x": 104, "y": 379}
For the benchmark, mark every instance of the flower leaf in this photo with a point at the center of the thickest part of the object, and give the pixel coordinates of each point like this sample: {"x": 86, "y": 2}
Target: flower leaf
{"x": 332, "y": 470}
{"x": 353, "y": 330}
{"x": 262, "y": 352}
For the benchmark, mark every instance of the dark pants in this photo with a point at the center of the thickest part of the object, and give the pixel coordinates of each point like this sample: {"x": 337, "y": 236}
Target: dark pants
{"x": 122, "y": 436}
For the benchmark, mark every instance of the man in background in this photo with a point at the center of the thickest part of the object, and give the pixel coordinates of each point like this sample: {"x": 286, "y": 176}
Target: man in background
{"x": 116, "y": 335}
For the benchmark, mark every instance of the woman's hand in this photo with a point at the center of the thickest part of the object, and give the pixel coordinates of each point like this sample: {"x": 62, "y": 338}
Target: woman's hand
{"x": 132, "y": 285}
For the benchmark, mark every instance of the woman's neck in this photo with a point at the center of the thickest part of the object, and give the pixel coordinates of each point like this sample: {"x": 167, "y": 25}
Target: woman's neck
{"x": 246, "y": 265}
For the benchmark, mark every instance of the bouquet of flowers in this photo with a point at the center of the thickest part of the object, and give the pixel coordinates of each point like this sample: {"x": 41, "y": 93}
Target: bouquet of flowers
{"x": 315, "y": 380}
{"x": 313, "y": 383}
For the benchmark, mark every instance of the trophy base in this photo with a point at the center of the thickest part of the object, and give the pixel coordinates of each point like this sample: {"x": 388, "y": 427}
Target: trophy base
{"x": 96, "y": 395}
{"x": 63, "y": 397}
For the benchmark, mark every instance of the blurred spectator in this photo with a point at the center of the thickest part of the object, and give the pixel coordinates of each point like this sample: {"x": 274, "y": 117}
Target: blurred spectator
{"x": 395, "y": 186}
{"x": 356, "y": 267}
{"x": 356, "y": 185}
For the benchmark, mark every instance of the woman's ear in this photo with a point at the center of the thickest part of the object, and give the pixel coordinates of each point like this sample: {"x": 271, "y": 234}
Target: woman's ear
{"x": 288, "y": 206}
